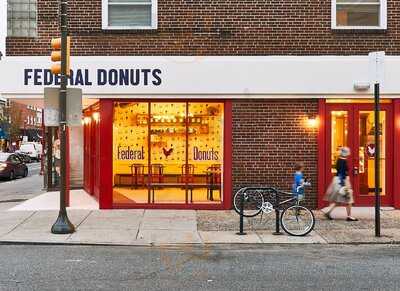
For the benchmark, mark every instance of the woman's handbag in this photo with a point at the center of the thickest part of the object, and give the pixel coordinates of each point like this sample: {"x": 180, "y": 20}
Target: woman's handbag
{"x": 346, "y": 190}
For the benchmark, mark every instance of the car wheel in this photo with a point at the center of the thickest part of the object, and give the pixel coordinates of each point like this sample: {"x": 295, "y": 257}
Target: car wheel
{"x": 25, "y": 173}
{"x": 12, "y": 175}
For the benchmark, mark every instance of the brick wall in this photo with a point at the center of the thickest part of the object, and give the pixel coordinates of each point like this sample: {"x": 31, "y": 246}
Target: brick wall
{"x": 218, "y": 27}
{"x": 269, "y": 137}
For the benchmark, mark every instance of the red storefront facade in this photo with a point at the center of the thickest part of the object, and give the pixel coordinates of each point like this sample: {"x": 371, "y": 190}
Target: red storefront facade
{"x": 98, "y": 162}
{"x": 254, "y": 157}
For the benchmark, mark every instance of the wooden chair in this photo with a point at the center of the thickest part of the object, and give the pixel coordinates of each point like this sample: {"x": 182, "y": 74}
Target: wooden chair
{"x": 213, "y": 180}
{"x": 137, "y": 171}
{"x": 187, "y": 174}
{"x": 157, "y": 173}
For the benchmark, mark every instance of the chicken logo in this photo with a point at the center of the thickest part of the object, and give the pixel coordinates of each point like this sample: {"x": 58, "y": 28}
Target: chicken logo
{"x": 371, "y": 150}
{"x": 167, "y": 152}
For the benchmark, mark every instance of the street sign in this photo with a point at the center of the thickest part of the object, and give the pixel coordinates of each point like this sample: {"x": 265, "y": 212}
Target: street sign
{"x": 376, "y": 67}
{"x": 51, "y": 107}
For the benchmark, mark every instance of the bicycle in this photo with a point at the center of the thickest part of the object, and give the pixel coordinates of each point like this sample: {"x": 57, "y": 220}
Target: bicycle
{"x": 296, "y": 220}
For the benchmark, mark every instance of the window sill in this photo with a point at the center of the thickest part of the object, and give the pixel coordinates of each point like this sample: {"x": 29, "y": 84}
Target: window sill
{"x": 129, "y": 28}
{"x": 355, "y": 29}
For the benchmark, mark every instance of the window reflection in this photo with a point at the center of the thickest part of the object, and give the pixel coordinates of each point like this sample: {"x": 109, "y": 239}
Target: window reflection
{"x": 367, "y": 152}
{"x": 339, "y": 135}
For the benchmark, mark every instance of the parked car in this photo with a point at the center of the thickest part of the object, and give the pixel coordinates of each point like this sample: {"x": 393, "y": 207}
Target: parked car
{"x": 32, "y": 149}
{"x": 24, "y": 157}
{"x": 11, "y": 166}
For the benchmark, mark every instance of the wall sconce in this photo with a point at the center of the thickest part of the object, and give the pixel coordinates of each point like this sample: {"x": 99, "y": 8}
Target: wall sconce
{"x": 312, "y": 121}
{"x": 96, "y": 116}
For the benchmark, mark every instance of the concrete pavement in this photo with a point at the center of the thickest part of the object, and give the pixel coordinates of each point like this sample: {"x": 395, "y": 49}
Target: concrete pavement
{"x": 182, "y": 227}
{"x": 22, "y": 188}
{"x": 30, "y": 222}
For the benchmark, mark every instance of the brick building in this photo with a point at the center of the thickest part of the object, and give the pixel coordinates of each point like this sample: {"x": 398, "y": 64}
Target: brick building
{"x": 201, "y": 98}
{"x": 19, "y": 122}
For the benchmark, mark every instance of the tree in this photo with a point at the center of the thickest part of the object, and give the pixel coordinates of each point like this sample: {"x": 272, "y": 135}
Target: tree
{"x": 13, "y": 115}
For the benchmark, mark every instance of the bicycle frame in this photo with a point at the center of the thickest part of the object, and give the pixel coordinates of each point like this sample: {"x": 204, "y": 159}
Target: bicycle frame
{"x": 273, "y": 204}
{"x": 277, "y": 202}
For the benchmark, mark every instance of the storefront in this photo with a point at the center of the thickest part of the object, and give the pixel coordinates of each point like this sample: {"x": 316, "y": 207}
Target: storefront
{"x": 186, "y": 132}
{"x": 351, "y": 123}
{"x": 164, "y": 153}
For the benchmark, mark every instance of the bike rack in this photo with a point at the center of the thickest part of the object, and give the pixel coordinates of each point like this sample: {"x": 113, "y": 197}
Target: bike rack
{"x": 277, "y": 201}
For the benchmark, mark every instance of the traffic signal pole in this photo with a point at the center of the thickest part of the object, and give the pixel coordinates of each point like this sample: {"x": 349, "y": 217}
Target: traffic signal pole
{"x": 62, "y": 224}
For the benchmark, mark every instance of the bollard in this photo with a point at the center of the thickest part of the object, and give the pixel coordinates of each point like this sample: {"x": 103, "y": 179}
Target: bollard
{"x": 277, "y": 201}
{"x": 241, "y": 216}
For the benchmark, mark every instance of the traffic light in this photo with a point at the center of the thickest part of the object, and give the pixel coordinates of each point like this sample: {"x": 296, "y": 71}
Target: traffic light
{"x": 56, "y": 55}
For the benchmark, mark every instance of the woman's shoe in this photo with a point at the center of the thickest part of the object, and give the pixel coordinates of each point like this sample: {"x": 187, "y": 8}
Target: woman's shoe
{"x": 328, "y": 216}
{"x": 349, "y": 218}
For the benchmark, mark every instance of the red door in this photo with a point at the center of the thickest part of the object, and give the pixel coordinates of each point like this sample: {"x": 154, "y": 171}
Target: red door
{"x": 352, "y": 125}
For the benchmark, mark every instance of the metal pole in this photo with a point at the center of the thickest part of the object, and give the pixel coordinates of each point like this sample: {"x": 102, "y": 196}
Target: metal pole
{"x": 62, "y": 224}
{"x": 241, "y": 232}
{"x": 377, "y": 165}
{"x": 43, "y": 145}
{"x": 277, "y": 226}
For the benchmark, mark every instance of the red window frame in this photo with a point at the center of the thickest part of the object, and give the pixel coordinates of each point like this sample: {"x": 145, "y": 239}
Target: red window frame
{"x": 393, "y": 139}
{"x": 104, "y": 185}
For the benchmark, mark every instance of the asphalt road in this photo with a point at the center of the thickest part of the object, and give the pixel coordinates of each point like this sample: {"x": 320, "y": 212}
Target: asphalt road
{"x": 362, "y": 267}
{"x": 22, "y": 188}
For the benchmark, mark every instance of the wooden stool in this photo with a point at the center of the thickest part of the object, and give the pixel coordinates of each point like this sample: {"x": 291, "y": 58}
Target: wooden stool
{"x": 157, "y": 173}
{"x": 187, "y": 174}
{"x": 137, "y": 171}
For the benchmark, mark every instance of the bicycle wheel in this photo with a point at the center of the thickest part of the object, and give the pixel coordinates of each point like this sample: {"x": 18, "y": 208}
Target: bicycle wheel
{"x": 297, "y": 220}
{"x": 252, "y": 202}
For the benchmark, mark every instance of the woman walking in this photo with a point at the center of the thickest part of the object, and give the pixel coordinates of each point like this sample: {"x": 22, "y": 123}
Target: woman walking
{"x": 340, "y": 189}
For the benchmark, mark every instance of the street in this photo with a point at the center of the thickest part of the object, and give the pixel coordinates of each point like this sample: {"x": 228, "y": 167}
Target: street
{"x": 22, "y": 188}
{"x": 336, "y": 267}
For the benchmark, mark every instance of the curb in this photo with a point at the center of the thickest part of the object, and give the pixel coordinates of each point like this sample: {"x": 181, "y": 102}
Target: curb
{"x": 200, "y": 245}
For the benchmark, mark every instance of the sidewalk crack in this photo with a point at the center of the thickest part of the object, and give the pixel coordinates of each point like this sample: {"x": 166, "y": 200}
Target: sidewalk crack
{"x": 69, "y": 236}
{"x": 321, "y": 236}
{"x": 259, "y": 237}
{"x": 19, "y": 224}
{"x": 140, "y": 224}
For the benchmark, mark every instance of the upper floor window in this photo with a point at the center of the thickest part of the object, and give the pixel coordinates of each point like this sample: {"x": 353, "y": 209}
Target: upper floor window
{"x": 129, "y": 14}
{"x": 21, "y": 18}
{"x": 359, "y": 14}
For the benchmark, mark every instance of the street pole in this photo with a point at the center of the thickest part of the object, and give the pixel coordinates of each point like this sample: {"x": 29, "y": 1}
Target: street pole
{"x": 377, "y": 164}
{"x": 62, "y": 224}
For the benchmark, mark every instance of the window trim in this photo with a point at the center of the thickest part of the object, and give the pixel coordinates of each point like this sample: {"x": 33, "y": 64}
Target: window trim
{"x": 382, "y": 18}
{"x": 104, "y": 17}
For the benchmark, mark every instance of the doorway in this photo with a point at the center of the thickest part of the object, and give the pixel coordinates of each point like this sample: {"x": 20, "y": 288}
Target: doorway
{"x": 352, "y": 125}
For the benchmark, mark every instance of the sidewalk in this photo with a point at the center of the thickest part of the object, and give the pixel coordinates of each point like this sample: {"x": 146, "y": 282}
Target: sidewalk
{"x": 172, "y": 227}
{"x": 131, "y": 227}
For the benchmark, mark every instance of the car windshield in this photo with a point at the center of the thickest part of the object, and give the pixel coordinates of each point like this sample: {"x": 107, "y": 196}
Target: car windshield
{"x": 4, "y": 157}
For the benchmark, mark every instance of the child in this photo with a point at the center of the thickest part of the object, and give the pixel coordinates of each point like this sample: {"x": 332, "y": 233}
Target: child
{"x": 299, "y": 181}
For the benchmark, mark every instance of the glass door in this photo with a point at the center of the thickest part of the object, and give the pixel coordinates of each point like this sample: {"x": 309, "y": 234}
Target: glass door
{"x": 364, "y": 155}
{"x": 352, "y": 126}
{"x": 340, "y": 133}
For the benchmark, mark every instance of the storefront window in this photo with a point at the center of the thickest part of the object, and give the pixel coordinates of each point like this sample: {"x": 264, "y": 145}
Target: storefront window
{"x": 205, "y": 140}
{"x": 339, "y": 135}
{"x": 367, "y": 152}
{"x": 167, "y": 152}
